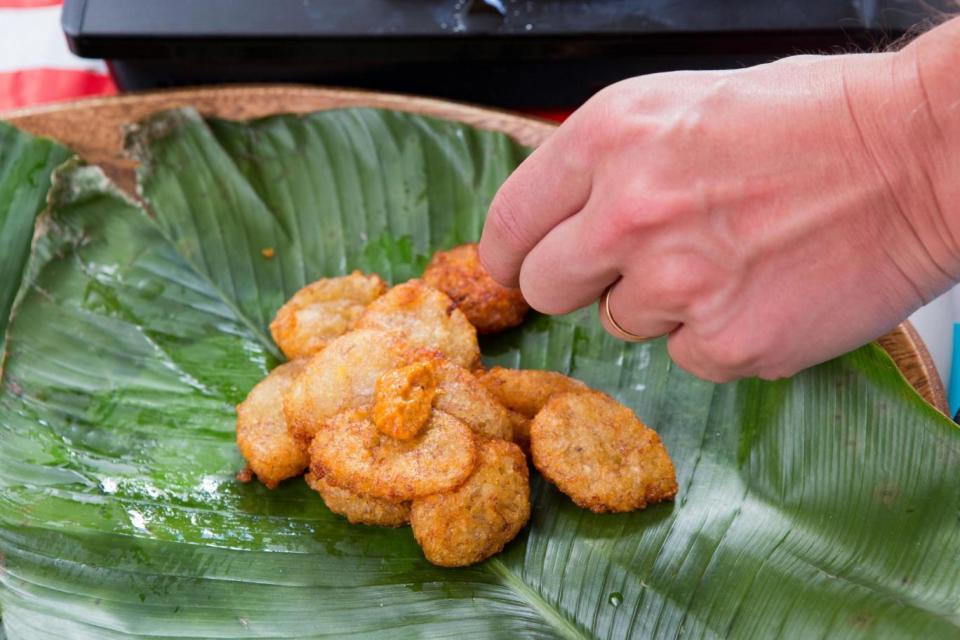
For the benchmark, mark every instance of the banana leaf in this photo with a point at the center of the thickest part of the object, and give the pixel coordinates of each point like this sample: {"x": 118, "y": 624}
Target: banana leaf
{"x": 823, "y": 505}
{"x": 26, "y": 163}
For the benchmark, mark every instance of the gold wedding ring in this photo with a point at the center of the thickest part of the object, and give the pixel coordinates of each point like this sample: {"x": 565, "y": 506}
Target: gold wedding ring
{"x": 618, "y": 330}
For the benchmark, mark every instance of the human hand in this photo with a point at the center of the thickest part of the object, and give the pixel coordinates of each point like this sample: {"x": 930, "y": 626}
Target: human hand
{"x": 768, "y": 219}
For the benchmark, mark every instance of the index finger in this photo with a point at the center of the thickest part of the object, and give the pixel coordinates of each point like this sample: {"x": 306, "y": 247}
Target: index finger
{"x": 547, "y": 188}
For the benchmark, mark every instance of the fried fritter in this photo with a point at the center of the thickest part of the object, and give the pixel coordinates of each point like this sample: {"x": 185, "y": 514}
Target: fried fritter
{"x": 426, "y": 318}
{"x": 476, "y": 520}
{"x": 462, "y": 396}
{"x": 404, "y": 398}
{"x": 351, "y": 453}
{"x": 359, "y": 509}
{"x": 596, "y": 451}
{"x": 342, "y": 376}
{"x": 520, "y": 425}
{"x": 262, "y": 432}
{"x": 322, "y": 311}
{"x": 487, "y": 305}
{"x": 525, "y": 392}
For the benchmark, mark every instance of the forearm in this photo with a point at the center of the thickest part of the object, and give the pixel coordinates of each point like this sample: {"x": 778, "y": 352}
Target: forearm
{"x": 935, "y": 58}
{"x": 901, "y": 105}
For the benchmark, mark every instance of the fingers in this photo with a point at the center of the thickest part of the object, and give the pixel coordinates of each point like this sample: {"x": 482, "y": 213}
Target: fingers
{"x": 723, "y": 357}
{"x": 566, "y": 271}
{"x": 550, "y": 186}
{"x": 632, "y": 310}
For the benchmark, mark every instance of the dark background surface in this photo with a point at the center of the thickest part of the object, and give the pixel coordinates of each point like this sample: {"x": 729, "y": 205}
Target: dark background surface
{"x": 530, "y": 54}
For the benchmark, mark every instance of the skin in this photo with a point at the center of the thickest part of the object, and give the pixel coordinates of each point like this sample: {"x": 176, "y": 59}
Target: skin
{"x": 766, "y": 219}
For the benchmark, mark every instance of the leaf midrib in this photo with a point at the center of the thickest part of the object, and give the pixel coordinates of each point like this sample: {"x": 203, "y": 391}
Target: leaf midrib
{"x": 240, "y": 316}
{"x": 553, "y": 616}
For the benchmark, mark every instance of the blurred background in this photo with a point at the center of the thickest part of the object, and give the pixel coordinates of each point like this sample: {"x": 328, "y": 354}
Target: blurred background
{"x": 541, "y": 57}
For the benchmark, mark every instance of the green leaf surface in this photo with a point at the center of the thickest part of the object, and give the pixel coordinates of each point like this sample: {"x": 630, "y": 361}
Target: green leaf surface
{"x": 26, "y": 163}
{"x": 824, "y": 505}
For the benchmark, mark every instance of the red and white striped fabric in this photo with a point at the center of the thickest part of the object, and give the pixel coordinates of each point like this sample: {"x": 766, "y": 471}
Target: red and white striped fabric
{"x": 35, "y": 64}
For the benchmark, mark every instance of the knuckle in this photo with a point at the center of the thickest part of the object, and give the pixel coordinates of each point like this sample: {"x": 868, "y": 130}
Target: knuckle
{"x": 683, "y": 125}
{"x": 618, "y": 102}
{"x": 629, "y": 217}
{"x": 678, "y": 283}
{"x": 596, "y": 140}
{"x": 640, "y": 208}
{"x": 606, "y": 120}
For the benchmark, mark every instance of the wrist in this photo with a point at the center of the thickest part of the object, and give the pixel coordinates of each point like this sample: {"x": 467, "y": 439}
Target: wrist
{"x": 930, "y": 65}
{"x": 899, "y": 104}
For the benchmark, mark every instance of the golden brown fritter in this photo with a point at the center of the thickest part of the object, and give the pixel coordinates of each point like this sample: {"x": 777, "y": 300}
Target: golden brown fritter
{"x": 359, "y": 509}
{"x": 342, "y": 376}
{"x": 322, "y": 311}
{"x": 404, "y": 398}
{"x": 526, "y": 391}
{"x": 462, "y": 396}
{"x": 520, "y": 425}
{"x": 487, "y": 305}
{"x": 262, "y": 432}
{"x": 476, "y": 520}
{"x": 351, "y": 453}
{"x": 596, "y": 451}
{"x": 426, "y": 318}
